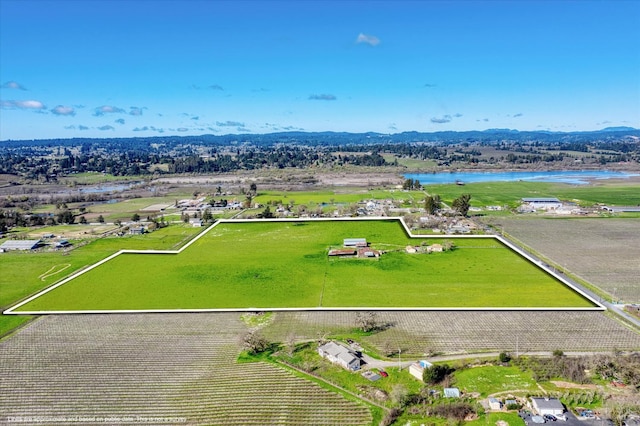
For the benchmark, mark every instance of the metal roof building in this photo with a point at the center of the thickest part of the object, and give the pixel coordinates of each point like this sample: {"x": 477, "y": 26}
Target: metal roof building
{"x": 355, "y": 242}
{"x": 19, "y": 245}
{"x": 545, "y": 406}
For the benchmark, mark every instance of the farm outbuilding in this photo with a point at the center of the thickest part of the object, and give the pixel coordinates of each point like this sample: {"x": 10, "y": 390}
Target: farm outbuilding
{"x": 543, "y": 203}
{"x": 622, "y": 209}
{"x": 451, "y": 392}
{"x": 342, "y": 252}
{"x": 355, "y": 242}
{"x": 417, "y": 369}
{"x": 495, "y": 404}
{"x": 544, "y": 406}
{"x": 20, "y": 245}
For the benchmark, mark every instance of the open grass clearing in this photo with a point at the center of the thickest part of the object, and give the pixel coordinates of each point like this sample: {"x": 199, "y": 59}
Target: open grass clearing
{"x": 262, "y": 265}
{"x": 491, "y": 379}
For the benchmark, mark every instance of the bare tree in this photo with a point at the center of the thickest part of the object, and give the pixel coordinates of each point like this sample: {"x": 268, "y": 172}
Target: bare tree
{"x": 367, "y": 321}
{"x": 254, "y": 342}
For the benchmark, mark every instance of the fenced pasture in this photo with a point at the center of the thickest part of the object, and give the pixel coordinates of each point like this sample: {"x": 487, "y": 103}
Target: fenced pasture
{"x": 418, "y": 333}
{"x": 24, "y": 273}
{"x": 264, "y": 265}
{"x": 604, "y": 252}
{"x": 172, "y": 366}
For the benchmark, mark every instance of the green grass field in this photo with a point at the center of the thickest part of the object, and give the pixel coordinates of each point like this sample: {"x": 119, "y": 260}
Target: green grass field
{"x": 510, "y": 193}
{"x": 331, "y": 197}
{"x": 265, "y": 265}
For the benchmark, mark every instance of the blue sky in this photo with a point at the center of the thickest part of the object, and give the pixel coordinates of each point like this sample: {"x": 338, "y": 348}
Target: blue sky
{"x": 147, "y": 68}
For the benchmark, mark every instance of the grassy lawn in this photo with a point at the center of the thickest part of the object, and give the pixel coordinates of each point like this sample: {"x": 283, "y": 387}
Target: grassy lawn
{"x": 267, "y": 265}
{"x": 493, "y": 379}
{"x": 489, "y": 419}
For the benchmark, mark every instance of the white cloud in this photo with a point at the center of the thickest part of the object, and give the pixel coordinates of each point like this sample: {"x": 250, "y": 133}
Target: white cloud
{"x": 30, "y": 104}
{"x": 107, "y": 109}
{"x": 13, "y": 85}
{"x": 63, "y": 110}
{"x": 441, "y": 120}
{"x": 368, "y": 39}
{"x": 322, "y": 97}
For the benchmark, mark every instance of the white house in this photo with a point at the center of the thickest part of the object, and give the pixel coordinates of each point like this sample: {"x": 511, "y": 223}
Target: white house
{"x": 417, "y": 369}
{"x": 545, "y": 406}
{"x": 340, "y": 355}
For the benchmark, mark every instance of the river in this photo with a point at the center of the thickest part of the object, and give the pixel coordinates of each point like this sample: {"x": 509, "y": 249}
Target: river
{"x": 574, "y": 177}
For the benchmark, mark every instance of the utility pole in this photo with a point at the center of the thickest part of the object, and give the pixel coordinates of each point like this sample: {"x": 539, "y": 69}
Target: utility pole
{"x": 399, "y": 359}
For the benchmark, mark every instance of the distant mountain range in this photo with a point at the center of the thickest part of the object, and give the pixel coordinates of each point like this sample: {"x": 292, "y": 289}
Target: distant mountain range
{"x": 338, "y": 138}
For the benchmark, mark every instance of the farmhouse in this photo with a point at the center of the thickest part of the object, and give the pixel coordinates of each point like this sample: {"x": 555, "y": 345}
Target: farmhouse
{"x": 20, "y": 245}
{"x": 340, "y": 355}
{"x": 545, "y": 406}
{"x": 417, "y": 369}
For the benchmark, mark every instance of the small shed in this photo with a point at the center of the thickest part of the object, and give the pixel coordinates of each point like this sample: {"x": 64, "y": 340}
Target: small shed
{"x": 495, "y": 404}
{"x": 136, "y": 231}
{"x": 435, "y": 248}
{"x": 62, "y": 244}
{"x": 451, "y": 392}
